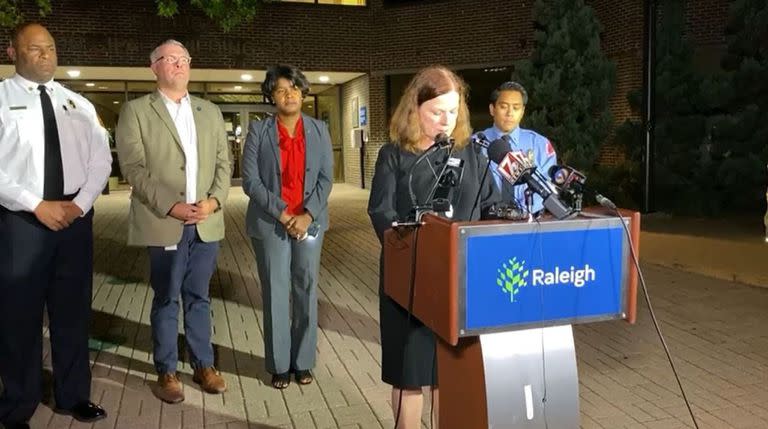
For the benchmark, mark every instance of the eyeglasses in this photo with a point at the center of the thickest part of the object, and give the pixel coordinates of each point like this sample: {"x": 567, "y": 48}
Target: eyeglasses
{"x": 283, "y": 91}
{"x": 172, "y": 59}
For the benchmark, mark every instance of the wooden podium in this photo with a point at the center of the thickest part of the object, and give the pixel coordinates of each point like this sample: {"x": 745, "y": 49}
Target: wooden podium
{"x": 501, "y": 298}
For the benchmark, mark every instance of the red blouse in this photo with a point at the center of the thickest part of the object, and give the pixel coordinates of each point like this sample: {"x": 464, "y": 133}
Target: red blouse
{"x": 292, "y": 151}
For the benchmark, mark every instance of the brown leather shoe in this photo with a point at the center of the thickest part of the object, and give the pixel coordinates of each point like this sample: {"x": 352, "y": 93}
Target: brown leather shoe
{"x": 169, "y": 388}
{"x": 210, "y": 380}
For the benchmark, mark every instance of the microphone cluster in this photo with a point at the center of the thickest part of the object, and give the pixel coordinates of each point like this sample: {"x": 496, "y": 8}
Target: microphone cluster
{"x": 563, "y": 189}
{"x": 515, "y": 167}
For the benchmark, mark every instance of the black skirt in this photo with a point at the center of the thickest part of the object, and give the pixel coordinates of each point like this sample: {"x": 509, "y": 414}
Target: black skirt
{"x": 408, "y": 349}
{"x": 408, "y": 355}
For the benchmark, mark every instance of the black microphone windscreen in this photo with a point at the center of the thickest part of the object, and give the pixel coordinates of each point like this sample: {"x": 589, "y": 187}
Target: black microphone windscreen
{"x": 442, "y": 140}
{"x": 553, "y": 170}
{"x": 497, "y": 149}
{"x": 558, "y": 174}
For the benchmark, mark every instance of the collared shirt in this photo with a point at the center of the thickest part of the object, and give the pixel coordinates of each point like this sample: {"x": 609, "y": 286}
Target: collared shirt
{"x": 292, "y": 154}
{"x": 85, "y": 155}
{"x": 533, "y": 145}
{"x": 181, "y": 114}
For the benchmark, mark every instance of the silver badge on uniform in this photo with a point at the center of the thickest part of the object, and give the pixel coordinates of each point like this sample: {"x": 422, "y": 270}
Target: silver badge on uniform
{"x": 530, "y": 156}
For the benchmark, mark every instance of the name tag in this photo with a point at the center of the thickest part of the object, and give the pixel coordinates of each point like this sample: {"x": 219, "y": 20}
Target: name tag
{"x": 17, "y": 108}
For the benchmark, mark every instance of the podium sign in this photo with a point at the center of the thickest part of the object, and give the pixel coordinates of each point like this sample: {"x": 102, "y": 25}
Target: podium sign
{"x": 501, "y": 297}
{"x": 553, "y": 273}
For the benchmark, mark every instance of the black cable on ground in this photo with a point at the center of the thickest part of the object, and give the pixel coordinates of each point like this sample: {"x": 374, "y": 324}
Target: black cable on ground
{"x": 653, "y": 318}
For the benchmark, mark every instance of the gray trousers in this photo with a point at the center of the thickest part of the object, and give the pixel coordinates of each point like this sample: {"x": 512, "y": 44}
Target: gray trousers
{"x": 289, "y": 272}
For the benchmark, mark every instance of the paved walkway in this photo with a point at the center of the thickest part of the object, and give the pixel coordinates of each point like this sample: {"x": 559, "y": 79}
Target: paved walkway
{"x": 716, "y": 330}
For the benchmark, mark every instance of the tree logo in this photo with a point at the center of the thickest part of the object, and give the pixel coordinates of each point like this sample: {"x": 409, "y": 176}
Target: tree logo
{"x": 511, "y": 277}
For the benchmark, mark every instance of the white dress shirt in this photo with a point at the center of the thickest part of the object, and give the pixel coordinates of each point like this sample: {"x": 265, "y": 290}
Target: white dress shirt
{"x": 85, "y": 155}
{"x": 182, "y": 116}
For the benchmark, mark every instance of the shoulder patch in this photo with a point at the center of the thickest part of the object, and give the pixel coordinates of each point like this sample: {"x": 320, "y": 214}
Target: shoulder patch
{"x": 550, "y": 148}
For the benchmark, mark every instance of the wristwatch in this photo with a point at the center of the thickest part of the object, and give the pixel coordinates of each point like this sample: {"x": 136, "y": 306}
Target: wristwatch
{"x": 218, "y": 204}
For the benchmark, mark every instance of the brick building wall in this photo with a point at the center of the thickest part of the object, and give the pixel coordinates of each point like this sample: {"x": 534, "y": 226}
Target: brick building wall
{"x": 122, "y": 33}
{"x": 376, "y": 39}
{"x": 705, "y": 22}
{"x": 451, "y": 32}
{"x": 622, "y": 40}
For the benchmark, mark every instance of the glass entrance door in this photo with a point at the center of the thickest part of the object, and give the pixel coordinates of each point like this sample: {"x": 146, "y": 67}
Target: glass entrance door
{"x": 237, "y": 118}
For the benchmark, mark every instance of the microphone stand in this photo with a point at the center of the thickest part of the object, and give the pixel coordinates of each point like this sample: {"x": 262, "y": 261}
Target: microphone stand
{"x": 529, "y": 204}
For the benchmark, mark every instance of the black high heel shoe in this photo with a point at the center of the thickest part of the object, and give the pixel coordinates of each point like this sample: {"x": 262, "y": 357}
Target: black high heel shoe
{"x": 304, "y": 376}
{"x": 281, "y": 381}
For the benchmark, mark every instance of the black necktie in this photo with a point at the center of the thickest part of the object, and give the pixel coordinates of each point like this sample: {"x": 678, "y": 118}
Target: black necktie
{"x": 507, "y": 191}
{"x": 53, "y": 186}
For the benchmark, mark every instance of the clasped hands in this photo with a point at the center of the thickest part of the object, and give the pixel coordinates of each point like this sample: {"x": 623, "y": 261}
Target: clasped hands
{"x": 57, "y": 215}
{"x": 192, "y": 214}
{"x": 296, "y": 225}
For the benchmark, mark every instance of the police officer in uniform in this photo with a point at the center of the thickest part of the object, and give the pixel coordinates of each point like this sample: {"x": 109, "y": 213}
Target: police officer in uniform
{"x": 507, "y": 107}
{"x": 54, "y": 162}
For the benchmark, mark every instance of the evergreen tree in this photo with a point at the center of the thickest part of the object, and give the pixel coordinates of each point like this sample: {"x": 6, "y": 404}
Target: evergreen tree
{"x": 227, "y": 14}
{"x": 684, "y": 102}
{"x": 623, "y": 182}
{"x": 569, "y": 81}
{"x": 739, "y": 136}
{"x": 683, "y": 166}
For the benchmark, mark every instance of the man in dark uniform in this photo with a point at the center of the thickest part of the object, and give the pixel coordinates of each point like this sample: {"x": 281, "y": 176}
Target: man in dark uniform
{"x": 54, "y": 162}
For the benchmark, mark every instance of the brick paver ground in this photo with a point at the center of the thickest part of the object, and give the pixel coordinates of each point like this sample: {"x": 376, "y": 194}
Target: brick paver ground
{"x": 716, "y": 330}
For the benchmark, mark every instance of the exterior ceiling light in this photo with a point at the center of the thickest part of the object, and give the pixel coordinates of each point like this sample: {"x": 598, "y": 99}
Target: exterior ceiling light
{"x": 73, "y": 73}
{"x": 323, "y": 79}
{"x": 246, "y": 77}
{"x": 238, "y": 87}
{"x": 90, "y": 84}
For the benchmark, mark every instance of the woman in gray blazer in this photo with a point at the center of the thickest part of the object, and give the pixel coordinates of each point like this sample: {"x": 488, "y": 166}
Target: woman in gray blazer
{"x": 288, "y": 174}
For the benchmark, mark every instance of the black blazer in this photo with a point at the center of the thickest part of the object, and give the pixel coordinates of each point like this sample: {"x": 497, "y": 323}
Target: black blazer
{"x": 390, "y": 199}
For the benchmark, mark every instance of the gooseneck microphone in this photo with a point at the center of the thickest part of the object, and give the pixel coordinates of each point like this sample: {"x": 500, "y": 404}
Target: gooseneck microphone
{"x": 516, "y": 168}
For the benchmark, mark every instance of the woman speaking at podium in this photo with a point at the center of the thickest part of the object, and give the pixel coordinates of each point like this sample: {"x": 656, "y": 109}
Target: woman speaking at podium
{"x": 434, "y": 103}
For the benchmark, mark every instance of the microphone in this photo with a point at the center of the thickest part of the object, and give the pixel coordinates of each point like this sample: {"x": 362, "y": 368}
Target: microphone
{"x": 480, "y": 139}
{"x": 573, "y": 181}
{"x": 567, "y": 177}
{"x": 605, "y": 202}
{"x": 516, "y": 168}
{"x": 515, "y": 165}
{"x": 441, "y": 140}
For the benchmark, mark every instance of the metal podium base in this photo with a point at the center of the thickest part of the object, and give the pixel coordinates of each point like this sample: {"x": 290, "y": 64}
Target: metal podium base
{"x": 531, "y": 379}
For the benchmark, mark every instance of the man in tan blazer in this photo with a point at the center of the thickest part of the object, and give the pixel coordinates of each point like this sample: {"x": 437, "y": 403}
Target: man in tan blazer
{"x": 173, "y": 150}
